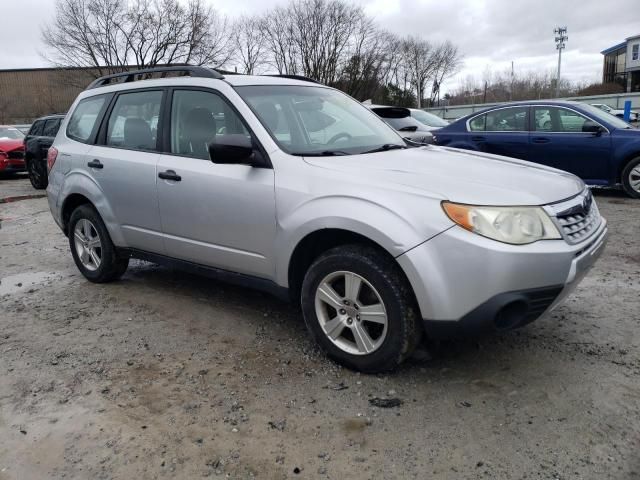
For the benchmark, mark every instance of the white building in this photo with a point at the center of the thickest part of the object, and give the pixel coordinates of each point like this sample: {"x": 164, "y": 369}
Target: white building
{"x": 622, "y": 64}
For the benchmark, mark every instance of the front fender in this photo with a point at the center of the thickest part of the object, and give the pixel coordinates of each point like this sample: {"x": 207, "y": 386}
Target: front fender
{"x": 395, "y": 230}
{"x": 79, "y": 182}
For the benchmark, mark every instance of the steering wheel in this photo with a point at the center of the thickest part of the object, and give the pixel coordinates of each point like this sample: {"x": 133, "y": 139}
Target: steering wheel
{"x": 338, "y": 136}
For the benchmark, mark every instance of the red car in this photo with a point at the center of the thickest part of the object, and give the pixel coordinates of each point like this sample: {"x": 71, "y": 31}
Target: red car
{"x": 11, "y": 149}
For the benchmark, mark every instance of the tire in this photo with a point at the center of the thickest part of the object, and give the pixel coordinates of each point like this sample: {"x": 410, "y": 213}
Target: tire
{"x": 383, "y": 288}
{"x": 631, "y": 178}
{"x": 37, "y": 171}
{"x": 85, "y": 226}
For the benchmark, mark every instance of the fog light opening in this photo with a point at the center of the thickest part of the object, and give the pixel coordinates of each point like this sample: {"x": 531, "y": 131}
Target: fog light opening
{"x": 511, "y": 315}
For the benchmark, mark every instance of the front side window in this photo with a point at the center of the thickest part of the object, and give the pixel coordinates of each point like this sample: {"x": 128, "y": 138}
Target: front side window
{"x": 134, "y": 119}
{"x": 84, "y": 117}
{"x": 559, "y": 120}
{"x": 314, "y": 120}
{"x": 199, "y": 118}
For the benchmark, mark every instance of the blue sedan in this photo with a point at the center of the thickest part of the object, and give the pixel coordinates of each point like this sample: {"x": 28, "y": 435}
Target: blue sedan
{"x": 575, "y": 137}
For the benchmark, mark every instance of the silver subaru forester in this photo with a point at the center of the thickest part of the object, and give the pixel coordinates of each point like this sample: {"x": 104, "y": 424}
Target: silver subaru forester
{"x": 289, "y": 186}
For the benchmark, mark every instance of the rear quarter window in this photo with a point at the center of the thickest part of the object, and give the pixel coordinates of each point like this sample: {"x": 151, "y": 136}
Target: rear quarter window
{"x": 51, "y": 127}
{"x": 36, "y": 128}
{"x": 84, "y": 118}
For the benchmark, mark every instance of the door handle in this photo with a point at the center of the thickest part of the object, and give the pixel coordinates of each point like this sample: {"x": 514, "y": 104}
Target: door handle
{"x": 95, "y": 163}
{"x": 540, "y": 140}
{"x": 478, "y": 139}
{"x": 170, "y": 175}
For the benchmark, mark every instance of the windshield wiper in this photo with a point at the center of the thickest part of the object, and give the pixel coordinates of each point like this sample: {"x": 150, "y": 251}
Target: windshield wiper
{"x": 324, "y": 153}
{"x": 385, "y": 147}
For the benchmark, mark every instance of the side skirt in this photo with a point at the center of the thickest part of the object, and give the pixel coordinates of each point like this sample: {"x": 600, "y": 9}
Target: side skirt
{"x": 240, "y": 279}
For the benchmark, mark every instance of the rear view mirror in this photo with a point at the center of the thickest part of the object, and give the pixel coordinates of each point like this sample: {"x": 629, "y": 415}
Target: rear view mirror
{"x": 235, "y": 149}
{"x": 590, "y": 126}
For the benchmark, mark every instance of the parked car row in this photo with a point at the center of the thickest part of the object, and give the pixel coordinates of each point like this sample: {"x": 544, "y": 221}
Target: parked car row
{"x": 11, "y": 149}
{"x": 634, "y": 117}
{"x": 575, "y": 137}
{"x": 293, "y": 187}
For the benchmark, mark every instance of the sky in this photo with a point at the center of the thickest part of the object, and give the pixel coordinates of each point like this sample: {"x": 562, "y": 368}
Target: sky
{"x": 489, "y": 33}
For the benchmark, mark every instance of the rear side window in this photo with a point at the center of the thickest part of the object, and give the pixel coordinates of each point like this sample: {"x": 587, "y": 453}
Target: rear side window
{"x": 133, "y": 123}
{"x": 36, "y": 128}
{"x": 502, "y": 120}
{"x": 51, "y": 127}
{"x": 84, "y": 118}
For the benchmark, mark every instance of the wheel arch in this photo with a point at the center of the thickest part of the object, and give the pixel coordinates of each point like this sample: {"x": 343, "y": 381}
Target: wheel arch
{"x": 79, "y": 188}
{"x": 315, "y": 243}
{"x": 72, "y": 202}
{"x": 623, "y": 164}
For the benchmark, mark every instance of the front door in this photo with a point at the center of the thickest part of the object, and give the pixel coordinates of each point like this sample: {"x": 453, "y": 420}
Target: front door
{"x": 213, "y": 214}
{"x": 557, "y": 140}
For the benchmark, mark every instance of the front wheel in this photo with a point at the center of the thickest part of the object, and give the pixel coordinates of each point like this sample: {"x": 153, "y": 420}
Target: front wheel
{"x": 91, "y": 247}
{"x": 358, "y": 306}
{"x": 631, "y": 178}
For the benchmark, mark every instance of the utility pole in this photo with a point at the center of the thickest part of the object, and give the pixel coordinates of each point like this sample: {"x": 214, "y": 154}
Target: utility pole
{"x": 561, "y": 37}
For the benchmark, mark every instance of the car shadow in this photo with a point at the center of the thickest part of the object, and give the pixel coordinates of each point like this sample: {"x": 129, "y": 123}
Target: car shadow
{"x": 489, "y": 351}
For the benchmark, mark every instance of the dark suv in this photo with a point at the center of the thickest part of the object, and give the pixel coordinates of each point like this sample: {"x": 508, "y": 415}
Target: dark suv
{"x": 36, "y": 144}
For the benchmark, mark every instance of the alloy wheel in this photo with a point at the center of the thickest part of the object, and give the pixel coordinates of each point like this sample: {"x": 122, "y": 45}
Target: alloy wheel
{"x": 634, "y": 178}
{"x": 88, "y": 244}
{"x": 351, "y": 313}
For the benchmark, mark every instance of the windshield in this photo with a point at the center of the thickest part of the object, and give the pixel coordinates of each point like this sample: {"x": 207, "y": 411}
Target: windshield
{"x": 310, "y": 120}
{"x": 404, "y": 124}
{"x": 603, "y": 116}
{"x": 11, "y": 133}
{"x": 429, "y": 119}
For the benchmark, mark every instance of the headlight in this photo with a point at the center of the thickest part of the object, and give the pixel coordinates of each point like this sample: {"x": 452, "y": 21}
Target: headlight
{"x": 515, "y": 225}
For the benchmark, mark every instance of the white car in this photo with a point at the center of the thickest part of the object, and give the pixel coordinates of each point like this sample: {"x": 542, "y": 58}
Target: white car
{"x": 635, "y": 116}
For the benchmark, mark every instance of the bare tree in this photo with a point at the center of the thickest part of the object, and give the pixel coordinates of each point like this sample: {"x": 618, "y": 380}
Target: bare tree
{"x": 113, "y": 35}
{"x": 250, "y": 49}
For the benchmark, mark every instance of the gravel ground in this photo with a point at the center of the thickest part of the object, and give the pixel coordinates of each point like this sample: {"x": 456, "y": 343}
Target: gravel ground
{"x": 169, "y": 375}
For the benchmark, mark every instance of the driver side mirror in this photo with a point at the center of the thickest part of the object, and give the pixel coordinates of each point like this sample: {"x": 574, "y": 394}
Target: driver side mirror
{"x": 236, "y": 149}
{"x": 590, "y": 126}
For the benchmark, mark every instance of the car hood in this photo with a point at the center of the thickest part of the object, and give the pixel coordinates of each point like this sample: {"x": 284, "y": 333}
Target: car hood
{"x": 457, "y": 175}
{"x": 8, "y": 144}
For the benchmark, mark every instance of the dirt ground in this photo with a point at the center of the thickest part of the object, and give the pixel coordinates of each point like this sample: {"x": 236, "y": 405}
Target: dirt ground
{"x": 168, "y": 375}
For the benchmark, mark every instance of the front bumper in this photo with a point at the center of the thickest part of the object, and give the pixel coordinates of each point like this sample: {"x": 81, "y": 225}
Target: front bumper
{"x": 468, "y": 284}
{"x": 11, "y": 164}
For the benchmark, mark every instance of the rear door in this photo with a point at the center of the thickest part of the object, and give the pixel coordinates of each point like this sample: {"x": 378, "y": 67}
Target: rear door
{"x": 503, "y": 131}
{"x": 557, "y": 140}
{"x": 123, "y": 163}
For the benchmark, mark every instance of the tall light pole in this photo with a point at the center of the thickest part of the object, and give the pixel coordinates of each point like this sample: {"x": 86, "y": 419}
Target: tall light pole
{"x": 561, "y": 37}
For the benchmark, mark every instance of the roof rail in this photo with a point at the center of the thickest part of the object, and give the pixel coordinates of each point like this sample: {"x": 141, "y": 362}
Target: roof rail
{"x": 130, "y": 76}
{"x": 294, "y": 77}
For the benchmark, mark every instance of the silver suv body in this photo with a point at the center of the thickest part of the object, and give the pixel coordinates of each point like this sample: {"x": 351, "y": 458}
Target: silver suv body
{"x": 265, "y": 181}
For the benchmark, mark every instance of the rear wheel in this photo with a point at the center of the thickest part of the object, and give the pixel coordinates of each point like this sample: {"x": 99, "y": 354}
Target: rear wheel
{"x": 91, "y": 247}
{"x": 37, "y": 173}
{"x": 631, "y": 178}
{"x": 359, "y": 308}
